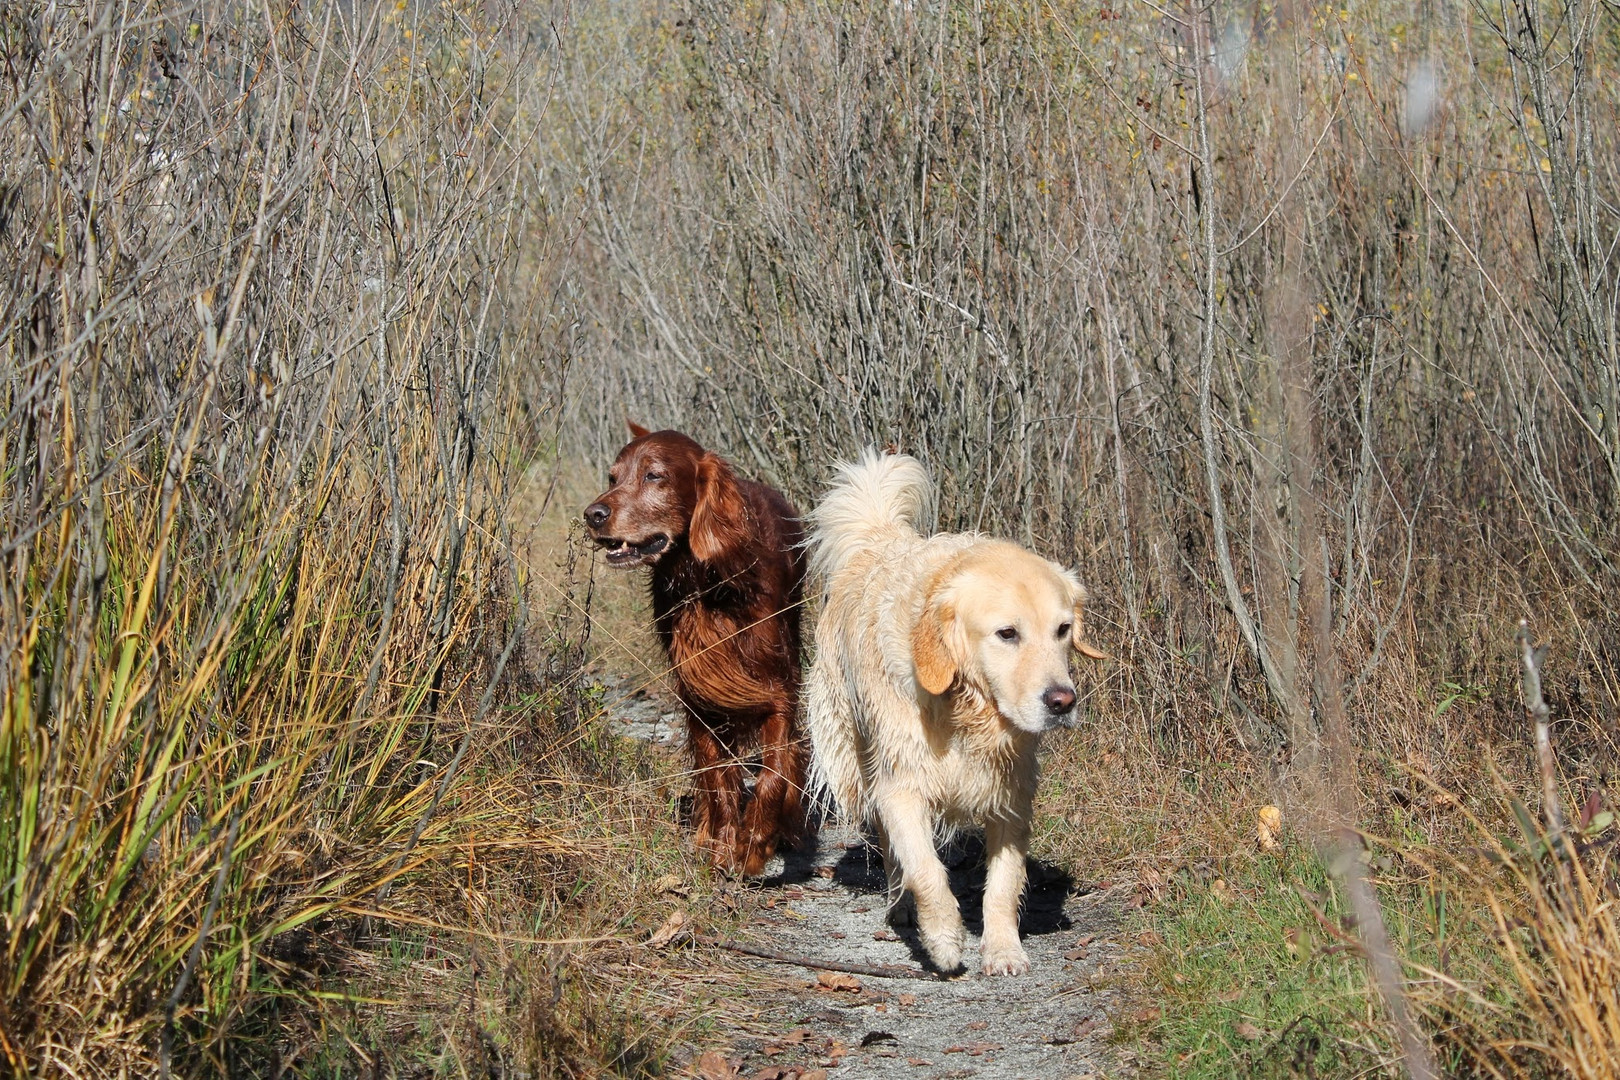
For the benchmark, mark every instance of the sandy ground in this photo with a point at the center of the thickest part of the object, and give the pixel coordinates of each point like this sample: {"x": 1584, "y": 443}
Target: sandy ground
{"x": 826, "y": 905}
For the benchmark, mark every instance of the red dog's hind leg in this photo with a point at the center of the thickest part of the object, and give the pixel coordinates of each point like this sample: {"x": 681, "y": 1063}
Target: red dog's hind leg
{"x": 777, "y": 810}
{"x": 717, "y": 808}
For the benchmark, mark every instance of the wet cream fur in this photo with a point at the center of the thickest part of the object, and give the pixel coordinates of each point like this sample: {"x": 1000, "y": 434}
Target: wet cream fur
{"x": 920, "y": 715}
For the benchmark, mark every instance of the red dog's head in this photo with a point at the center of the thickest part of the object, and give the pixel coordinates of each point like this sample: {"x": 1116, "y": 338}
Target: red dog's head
{"x": 662, "y": 490}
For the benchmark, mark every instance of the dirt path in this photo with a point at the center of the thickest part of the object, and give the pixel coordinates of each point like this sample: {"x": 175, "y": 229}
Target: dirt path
{"x": 827, "y": 904}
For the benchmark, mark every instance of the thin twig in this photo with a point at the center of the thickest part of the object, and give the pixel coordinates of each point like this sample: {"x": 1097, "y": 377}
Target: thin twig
{"x": 886, "y": 971}
{"x": 1531, "y": 657}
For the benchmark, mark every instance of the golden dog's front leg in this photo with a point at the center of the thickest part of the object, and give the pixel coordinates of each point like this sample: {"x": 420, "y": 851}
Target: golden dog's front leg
{"x": 1005, "y": 843}
{"x": 910, "y": 832}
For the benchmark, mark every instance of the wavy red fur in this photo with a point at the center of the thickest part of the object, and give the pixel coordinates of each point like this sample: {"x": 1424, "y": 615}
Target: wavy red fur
{"x": 727, "y": 582}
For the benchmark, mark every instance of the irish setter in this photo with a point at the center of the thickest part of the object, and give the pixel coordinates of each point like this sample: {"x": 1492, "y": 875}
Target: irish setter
{"x": 727, "y": 581}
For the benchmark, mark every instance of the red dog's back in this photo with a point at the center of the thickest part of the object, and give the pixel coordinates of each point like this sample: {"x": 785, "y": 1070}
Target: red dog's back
{"x": 727, "y": 582}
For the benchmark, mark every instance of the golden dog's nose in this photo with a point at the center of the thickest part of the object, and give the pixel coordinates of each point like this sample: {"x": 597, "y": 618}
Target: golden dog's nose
{"x": 1058, "y": 700}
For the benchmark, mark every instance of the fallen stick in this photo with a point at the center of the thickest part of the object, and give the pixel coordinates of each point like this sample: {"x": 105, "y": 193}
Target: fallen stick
{"x": 887, "y": 971}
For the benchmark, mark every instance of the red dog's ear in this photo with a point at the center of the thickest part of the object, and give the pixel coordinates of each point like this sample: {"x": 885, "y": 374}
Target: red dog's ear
{"x": 636, "y": 430}
{"x": 720, "y": 517}
{"x": 932, "y": 652}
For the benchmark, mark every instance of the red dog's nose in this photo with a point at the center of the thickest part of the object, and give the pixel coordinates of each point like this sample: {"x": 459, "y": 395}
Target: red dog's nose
{"x": 596, "y": 515}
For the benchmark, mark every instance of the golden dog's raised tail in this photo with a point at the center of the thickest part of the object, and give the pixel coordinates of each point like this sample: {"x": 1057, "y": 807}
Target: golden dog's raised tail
{"x": 880, "y": 497}
{"x": 877, "y": 506}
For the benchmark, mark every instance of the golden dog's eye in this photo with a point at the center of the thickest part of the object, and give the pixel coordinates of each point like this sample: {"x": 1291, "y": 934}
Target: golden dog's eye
{"x": 1008, "y": 633}
{"x": 1063, "y": 631}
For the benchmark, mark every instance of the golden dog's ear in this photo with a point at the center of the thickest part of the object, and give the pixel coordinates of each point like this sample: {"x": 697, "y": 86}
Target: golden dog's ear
{"x": 636, "y": 430}
{"x": 932, "y": 653}
{"x": 1085, "y": 648}
{"x": 1076, "y": 638}
{"x": 720, "y": 520}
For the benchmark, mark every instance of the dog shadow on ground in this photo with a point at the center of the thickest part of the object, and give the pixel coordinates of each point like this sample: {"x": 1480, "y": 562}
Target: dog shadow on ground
{"x": 860, "y": 870}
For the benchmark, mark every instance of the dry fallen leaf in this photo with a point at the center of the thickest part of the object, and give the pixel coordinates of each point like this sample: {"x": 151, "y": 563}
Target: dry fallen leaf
{"x": 669, "y": 883}
{"x": 1269, "y": 828}
{"x": 838, "y": 980}
{"x": 908, "y": 999}
{"x": 1248, "y": 1031}
{"x": 671, "y": 929}
{"x": 713, "y": 1065}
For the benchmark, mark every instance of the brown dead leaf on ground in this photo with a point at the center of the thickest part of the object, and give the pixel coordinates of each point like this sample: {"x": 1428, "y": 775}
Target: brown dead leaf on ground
{"x": 1246, "y": 1030}
{"x": 1269, "y": 828}
{"x": 713, "y": 1065}
{"x": 673, "y": 927}
{"x": 837, "y": 981}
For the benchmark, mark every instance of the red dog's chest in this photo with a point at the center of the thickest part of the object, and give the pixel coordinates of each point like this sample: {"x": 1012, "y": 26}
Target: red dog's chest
{"x": 710, "y": 655}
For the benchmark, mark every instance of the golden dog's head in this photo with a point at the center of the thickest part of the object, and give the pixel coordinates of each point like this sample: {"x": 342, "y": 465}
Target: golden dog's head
{"x": 1003, "y": 621}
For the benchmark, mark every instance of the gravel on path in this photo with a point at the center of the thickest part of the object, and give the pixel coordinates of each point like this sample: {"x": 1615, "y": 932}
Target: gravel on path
{"x": 826, "y": 905}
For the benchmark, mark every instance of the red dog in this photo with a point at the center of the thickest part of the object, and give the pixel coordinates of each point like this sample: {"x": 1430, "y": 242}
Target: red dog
{"x": 727, "y": 581}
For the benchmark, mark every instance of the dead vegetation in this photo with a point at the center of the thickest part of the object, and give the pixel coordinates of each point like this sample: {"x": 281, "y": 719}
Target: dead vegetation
{"x": 1293, "y": 328}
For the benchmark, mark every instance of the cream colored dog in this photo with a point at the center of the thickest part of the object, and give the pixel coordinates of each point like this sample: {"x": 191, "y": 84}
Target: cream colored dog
{"x": 939, "y": 663}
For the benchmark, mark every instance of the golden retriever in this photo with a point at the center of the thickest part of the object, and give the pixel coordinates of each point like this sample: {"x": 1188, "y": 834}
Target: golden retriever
{"x": 940, "y": 661}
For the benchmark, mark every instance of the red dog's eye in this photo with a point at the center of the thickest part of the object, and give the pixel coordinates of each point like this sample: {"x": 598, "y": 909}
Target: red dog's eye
{"x": 612, "y": 479}
{"x": 655, "y": 476}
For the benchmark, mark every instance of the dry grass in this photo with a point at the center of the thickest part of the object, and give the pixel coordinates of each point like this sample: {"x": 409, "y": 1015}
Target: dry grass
{"x": 1251, "y": 314}
{"x": 1273, "y": 321}
{"x": 269, "y": 734}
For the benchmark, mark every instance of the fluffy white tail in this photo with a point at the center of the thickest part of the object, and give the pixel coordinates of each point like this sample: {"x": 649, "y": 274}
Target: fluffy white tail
{"x": 879, "y": 497}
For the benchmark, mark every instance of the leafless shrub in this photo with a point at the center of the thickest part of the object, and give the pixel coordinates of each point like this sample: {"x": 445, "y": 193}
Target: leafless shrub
{"x": 263, "y": 331}
{"x": 1293, "y": 326}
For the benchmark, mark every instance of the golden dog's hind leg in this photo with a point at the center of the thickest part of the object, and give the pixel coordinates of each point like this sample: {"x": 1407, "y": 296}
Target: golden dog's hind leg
{"x": 910, "y": 832}
{"x": 1005, "y": 842}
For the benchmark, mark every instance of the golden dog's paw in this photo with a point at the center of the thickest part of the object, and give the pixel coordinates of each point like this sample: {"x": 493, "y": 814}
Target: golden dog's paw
{"x": 1002, "y": 958}
{"x": 944, "y": 945}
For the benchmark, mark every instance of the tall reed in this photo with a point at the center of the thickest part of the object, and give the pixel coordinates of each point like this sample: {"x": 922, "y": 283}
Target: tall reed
{"x": 259, "y": 346}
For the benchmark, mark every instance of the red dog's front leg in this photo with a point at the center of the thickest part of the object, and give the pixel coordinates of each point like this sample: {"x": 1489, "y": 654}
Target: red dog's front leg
{"x": 777, "y": 810}
{"x": 717, "y": 807}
